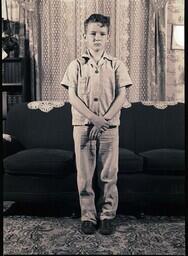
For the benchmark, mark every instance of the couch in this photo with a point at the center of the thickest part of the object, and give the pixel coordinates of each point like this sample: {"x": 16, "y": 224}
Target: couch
{"x": 39, "y": 159}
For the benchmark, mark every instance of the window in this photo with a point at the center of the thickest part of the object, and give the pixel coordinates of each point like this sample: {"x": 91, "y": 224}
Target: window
{"x": 177, "y": 37}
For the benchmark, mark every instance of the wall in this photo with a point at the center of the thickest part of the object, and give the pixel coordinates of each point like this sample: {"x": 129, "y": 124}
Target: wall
{"x": 175, "y": 58}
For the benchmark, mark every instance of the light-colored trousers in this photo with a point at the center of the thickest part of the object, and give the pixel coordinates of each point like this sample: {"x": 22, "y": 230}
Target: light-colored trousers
{"x": 103, "y": 153}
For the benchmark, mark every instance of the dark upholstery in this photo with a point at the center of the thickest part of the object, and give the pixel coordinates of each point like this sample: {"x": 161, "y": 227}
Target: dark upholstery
{"x": 129, "y": 162}
{"x": 164, "y": 161}
{"x": 146, "y": 128}
{"x": 37, "y": 129}
{"x": 40, "y": 161}
{"x": 39, "y": 188}
{"x": 11, "y": 147}
{"x": 151, "y": 156}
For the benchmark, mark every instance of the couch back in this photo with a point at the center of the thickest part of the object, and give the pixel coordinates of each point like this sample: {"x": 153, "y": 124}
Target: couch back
{"x": 145, "y": 128}
{"x": 35, "y": 128}
{"x": 142, "y": 127}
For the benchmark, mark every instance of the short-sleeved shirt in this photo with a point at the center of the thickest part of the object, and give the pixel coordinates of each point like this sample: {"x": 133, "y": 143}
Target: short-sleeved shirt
{"x": 96, "y": 85}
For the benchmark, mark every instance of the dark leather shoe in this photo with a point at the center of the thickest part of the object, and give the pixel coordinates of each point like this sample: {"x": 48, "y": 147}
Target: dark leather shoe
{"x": 106, "y": 227}
{"x": 88, "y": 227}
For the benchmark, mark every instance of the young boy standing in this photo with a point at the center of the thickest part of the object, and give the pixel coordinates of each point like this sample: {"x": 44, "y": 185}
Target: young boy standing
{"x": 96, "y": 83}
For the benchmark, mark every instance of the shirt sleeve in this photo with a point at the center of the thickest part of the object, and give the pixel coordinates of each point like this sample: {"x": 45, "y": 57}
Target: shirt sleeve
{"x": 122, "y": 77}
{"x": 71, "y": 75}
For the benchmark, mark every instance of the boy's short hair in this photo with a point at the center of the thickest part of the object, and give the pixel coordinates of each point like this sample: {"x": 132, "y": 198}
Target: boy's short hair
{"x": 104, "y": 20}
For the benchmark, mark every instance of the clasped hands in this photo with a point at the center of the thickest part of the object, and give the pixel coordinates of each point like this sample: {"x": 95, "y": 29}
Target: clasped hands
{"x": 100, "y": 125}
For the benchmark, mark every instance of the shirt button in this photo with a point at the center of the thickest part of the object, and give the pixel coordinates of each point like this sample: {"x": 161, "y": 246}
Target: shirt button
{"x": 96, "y": 99}
{"x": 96, "y": 71}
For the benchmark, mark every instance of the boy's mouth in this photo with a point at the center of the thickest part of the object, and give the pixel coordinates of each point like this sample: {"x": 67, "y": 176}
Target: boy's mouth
{"x": 97, "y": 44}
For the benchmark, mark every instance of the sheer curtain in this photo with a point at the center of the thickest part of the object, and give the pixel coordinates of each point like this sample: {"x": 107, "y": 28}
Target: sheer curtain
{"x": 157, "y": 51}
{"x": 138, "y": 37}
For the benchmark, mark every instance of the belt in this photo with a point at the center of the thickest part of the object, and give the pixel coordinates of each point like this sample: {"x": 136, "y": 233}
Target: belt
{"x": 91, "y": 125}
{"x": 110, "y": 127}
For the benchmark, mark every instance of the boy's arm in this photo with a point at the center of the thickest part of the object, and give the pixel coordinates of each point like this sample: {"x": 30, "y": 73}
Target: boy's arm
{"x": 117, "y": 104}
{"x": 115, "y": 107}
{"x": 123, "y": 81}
{"x": 98, "y": 121}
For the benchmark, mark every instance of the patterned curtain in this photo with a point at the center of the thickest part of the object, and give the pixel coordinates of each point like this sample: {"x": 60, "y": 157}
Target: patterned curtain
{"x": 175, "y": 58}
{"x": 138, "y": 37}
{"x": 157, "y": 50}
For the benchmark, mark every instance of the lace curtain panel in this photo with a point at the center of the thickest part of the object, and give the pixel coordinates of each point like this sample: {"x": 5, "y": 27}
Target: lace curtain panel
{"x": 138, "y": 37}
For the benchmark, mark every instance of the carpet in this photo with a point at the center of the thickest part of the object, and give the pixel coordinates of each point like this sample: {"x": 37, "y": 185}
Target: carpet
{"x": 149, "y": 235}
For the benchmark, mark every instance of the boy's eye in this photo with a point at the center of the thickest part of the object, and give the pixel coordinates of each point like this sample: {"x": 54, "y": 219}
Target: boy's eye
{"x": 94, "y": 34}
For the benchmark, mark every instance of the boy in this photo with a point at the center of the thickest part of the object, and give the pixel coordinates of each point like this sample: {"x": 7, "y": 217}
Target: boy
{"x": 96, "y": 83}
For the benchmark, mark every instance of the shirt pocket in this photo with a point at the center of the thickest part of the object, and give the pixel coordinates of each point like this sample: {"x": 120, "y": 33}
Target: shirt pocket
{"x": 83, "y": 86}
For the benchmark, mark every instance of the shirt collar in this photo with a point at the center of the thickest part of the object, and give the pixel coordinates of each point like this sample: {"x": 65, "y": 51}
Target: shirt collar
{"x": 87, "y": 55}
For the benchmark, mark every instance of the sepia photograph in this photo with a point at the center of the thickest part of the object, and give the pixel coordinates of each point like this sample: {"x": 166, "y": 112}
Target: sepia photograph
{"x": 93, "y": 127}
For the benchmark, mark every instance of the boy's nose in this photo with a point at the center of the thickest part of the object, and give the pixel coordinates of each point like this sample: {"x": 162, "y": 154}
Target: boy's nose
{"x": 97, "y": 37}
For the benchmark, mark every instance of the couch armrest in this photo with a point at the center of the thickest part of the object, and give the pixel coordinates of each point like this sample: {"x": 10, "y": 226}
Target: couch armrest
{"x": 11, "y": 145}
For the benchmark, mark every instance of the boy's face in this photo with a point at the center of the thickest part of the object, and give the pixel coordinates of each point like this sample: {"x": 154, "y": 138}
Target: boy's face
{"x": 96, "y": 36}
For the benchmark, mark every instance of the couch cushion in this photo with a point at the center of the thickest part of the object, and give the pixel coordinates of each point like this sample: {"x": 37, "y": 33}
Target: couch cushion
{"x": 40, "y": 162}
{"x": 129, "y": 162}
{"x": 164, "y": 161}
